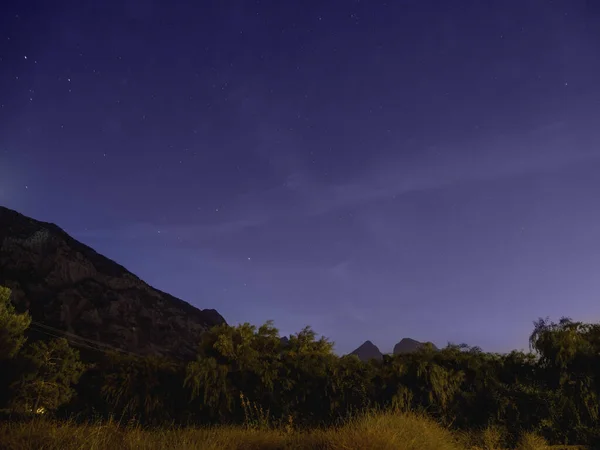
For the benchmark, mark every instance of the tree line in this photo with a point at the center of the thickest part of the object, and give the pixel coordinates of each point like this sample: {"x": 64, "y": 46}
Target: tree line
{"x": 249, "y": 375}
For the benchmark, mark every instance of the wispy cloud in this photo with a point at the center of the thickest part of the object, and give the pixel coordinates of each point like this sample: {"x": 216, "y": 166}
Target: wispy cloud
{"x": 434, "y": 170}
{"x": 301, "y": 195}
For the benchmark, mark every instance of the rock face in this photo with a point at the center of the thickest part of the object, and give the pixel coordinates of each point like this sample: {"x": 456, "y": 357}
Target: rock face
{"x": 367, "y": 351}
{"x": 408, "y": 345}
{"x": 66, "y": 285}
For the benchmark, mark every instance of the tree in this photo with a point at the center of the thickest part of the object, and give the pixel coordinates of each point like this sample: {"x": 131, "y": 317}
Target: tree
{"x": 282, "y": 378}
{"x": 569, "y": 356}
{"x": 351, "y": 386}
{"x": 423, "y": 383}
{"x": 51, "y": 370}
{"x": 148, "y": 389}
{"x": 233, "y": 361}
{"x": 12, "y": 326}
{"x": 304, "y": 382}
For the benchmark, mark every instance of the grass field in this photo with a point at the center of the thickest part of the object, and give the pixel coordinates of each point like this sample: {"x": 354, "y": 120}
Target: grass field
{"x": 381, "y": 431}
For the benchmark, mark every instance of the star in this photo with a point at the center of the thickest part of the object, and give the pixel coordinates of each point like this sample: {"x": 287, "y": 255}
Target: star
{"x": 440, "y": 144}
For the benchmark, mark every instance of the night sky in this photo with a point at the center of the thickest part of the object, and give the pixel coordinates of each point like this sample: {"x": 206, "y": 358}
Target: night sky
{"x": 377, "y": 170}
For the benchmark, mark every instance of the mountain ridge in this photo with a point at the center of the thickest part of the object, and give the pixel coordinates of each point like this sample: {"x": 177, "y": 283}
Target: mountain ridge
{"x": 68, "y": 285}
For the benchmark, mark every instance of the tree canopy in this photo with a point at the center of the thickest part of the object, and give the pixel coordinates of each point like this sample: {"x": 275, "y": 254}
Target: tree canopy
{"x": 12, "y": 326}
{"x": 252, "y": 375}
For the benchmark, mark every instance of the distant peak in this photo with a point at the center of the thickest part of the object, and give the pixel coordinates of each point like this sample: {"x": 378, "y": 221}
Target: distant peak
{"x": 409, "y": 345}
{"x": 367, "y": 351}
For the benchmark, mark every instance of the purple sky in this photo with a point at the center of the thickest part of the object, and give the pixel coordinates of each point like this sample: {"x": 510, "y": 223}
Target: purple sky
{"x": 378, "y": 170}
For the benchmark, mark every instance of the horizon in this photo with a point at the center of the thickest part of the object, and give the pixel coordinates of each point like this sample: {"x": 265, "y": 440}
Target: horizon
{"x": 282, "y": 335}
{"x": 375, "y": 171}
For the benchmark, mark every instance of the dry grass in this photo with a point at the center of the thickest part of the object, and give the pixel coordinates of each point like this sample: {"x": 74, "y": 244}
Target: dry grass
{"x": 381, "y": 431}
{"x": 530, "y": 441}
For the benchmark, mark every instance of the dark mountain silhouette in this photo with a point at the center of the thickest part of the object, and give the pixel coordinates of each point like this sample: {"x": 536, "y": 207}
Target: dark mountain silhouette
{"x": 368, "y": 351}
{"x": 408, "y": 345}
{"x": 68, "y": 287}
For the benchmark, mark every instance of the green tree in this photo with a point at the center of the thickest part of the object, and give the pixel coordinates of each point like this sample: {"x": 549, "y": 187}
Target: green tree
{"x": 351, "y": 386}
{"x": 424, "y": 383}
{"x": 303, "y": 381}
{"x": 51, "y": 369}
{"x": 280, "y": 378}
{"x": 12, "y": 326}
{"x": 569, "y": 356}
{"x": 144, "y": 388}
{"x": 233, "y": 361}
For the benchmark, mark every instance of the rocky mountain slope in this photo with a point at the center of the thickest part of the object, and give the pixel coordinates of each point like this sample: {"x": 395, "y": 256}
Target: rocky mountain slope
{"x": 67, "y": 286}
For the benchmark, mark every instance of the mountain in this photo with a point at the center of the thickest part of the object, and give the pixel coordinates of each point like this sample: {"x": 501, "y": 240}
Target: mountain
{"x": 408, "y": 345}
{"x": 367, "y": 351}
{"x": 70, "y": 288}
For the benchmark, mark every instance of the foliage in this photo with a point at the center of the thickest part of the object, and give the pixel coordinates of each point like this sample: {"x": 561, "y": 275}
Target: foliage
{"x": 145, "y": 389}
{"x": 248, "y": 375}
{"x": 50, "y": 371}
{"x": 570, "y": 359}
{"x": 12, "y": 326}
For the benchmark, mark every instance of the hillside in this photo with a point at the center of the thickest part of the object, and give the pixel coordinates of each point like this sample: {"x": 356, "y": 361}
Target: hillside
{"x": 68, "y": 286}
